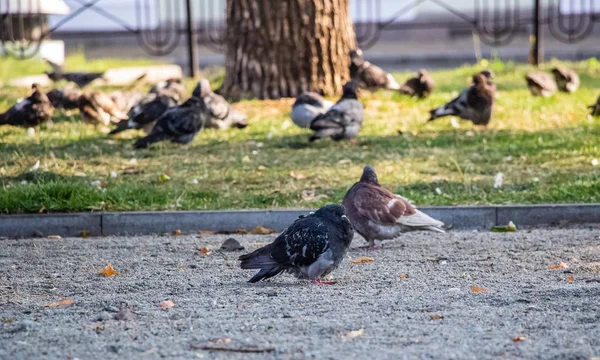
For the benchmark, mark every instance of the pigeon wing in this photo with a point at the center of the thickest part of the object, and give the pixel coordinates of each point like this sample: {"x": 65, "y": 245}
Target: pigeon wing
{"x": 380, "y": 205}
{"x": 302, "y": 243}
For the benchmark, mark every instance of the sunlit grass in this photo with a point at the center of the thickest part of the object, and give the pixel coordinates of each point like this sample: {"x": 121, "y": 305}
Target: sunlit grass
{"x": 544, "y": 147}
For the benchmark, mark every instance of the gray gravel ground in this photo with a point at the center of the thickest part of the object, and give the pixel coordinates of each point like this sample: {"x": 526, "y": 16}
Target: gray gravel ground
{"x": 558, "y": 319}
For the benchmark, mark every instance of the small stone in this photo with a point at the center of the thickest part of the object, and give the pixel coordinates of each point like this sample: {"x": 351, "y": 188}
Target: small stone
{"x": 124, "y": 314}
{"x": 112, "y": 309}
{"x": 231, "y": 244}
{"x": 103, "y": 316}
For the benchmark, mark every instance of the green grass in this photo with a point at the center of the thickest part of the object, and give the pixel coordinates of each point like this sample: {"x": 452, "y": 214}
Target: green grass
{"x": 544, "y": 147}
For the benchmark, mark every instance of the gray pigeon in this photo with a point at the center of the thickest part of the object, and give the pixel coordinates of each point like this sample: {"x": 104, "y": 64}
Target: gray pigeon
{"x": 343, "y": 120}
{"x": 179, "y": 124}
{"x": 223, "y": 115}
{"x": 32, "y": 111}
{"x": 144, "y": 116}
{"x": 369, "y": 76}
{"x": 98, "y": 107}
{"x": 566, "y": 79}
{"x": 420, "y": 86}
{"x": 540, "y": 83}
{"x": 475, "y": 103}
{"x": 311, "y": 247}
{"x": 82, "y": 79}
{"x": 595, "y": 108}
{"x": 64, "y": 99}
{"x": 378, "y": 214}
{"x": 307, "y": 106}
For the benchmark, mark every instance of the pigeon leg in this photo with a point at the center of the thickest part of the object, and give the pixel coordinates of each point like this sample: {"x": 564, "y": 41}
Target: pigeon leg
{"x": 321, "y": 282}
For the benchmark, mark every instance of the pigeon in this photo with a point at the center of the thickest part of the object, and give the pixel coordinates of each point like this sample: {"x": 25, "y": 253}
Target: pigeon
{"x": 378, "y": 214}
{"x": 595, "y": 108}
{"x": 170, "y": 87}
{"x": 127, "y": 100}
{"x": 311, "y": 247}
{"x": 566, "y": 79}
{"x": 179, "y": 124}
{"x": 420, "y": 86}
{"x": 474, "y": 103}
{"x": 222, "y": 115}
{"x": 370, "y": 77}
{"x": 343, "y": 120}
{"x": 97, "y": 107}
{"x": 307, "y": 106}
{"x": 81, "y": 79}
{"x": 144, "y": 116}
{"x": 30, "y": 112}
{"x": 540, "y": 83}
{"x": 64, "y": 99}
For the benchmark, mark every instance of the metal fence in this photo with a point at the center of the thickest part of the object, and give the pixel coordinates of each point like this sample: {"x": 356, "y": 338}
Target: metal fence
{"x": 162, "y": 25}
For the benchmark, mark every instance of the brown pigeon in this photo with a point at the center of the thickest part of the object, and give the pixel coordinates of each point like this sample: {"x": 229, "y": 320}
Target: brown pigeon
{"x": 223, "y": 115}
{"x": 369, "y": 76}
{"x": 97, "y": 107}
{"x": 566, "y": 79}
{"x": 540, "y": 83}
{"x": 474, "y": 103}
{"x": 595, "y": 108}
{"x": 82, "y": 79}
{"x": 420, "y": 86}
{"x": 32, "y": 111}
{"x": 64, "y": 99}
{"x": 378, "y": 214}
{"x": 126, "y": 100}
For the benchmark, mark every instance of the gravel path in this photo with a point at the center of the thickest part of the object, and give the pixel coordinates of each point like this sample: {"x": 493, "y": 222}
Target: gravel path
{"x": 414, "y": 301}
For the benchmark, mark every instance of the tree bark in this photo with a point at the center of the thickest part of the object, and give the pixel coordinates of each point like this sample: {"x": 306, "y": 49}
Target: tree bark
{"x": 279, "y": 48}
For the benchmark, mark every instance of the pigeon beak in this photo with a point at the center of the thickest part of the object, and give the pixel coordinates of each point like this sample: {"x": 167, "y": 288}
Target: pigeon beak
{"x": 344, "y": 217}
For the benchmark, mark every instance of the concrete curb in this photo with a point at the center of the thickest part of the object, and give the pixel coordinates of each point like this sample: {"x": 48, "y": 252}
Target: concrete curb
{"x": 141, "y": 223}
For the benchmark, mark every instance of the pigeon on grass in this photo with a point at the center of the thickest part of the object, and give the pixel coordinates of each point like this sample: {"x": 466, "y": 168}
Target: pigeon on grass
{"x": 144, "y": 116}
{"x": 378, "y": 214}
{"x": 540, "y": 83}
{"x": 32, "y": 111}
{"x": 343, "y": 120}
{"x": 307, "y": 107}
{"x": 419, "y": 86}
{"x": 370, "y": 77}
{"x": 64, "y": 99}
{"x": 474, "y": 103}
{"x": 595, "y": 108}
{"x": 566, "y": 79}
{"x": 311, "y": 247}
{"x": 222, "y": 114}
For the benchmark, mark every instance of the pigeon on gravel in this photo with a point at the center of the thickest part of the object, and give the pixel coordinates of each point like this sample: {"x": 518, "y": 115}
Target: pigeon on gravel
{"x": 343, "y": 120}
{"x": 82, "y": 79}
{"x": 311, "y": 247}
{"x": 566, "y": 79}
{"x": 30, "y": 112}
{"x": 370, "y": 77}
{"x": 307, "y": 106}
{"x": 64, "y": 99}
{"x": 144, "y": 116}
{"x": 223, "y": 115}
{"x": 540, "y": 83}
{"x": 420, "y": 86}
{"x": 595, "y": 108}
{"x": 179, "y": 124}
{"x": 378, "y": 214}
{"x": 474, "y": 103}
{"x": 98, "y": 107}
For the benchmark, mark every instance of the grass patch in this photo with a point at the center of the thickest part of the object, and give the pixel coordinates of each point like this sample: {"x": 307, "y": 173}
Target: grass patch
{"x": 544, "y": 147}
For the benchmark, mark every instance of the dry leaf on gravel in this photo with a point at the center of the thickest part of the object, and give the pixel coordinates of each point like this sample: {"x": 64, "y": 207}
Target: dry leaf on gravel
{"x": 570, "y": 279}
{"x": 519, "y": 338}
{"x": 560, "y": 265}
{"x": 436, "y": 317}
{"x": 220, "y": 341}
{"x": 403, "y": 276}
{"x": 177, "y": 232}
{"x": 261, "y": 230}
{"x": 54, "y": 237}
{"x": 477, "y": 289}
{"x": 167, "y": 304}
{"x": 204, "y": 251}
{"x": 362, "y": 259}
{"x": 353, "y": 334}
{"x": 108, "y": 270}
{"x": 59, "y": 303}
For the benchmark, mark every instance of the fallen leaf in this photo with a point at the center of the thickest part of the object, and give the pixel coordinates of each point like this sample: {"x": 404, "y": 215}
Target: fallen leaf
{"x": 177, "y": 232}
{"x": 204, "y": 251}
{"x": 108, "y": 270}
{"x": 84, "y": 234}
{"x": 511, "y": 227}
{"x": 164, "y": 177}
{"x": 436, "y": 317}
{"x": 42, "y": 209}
{"x": 519, "y": 338}
{"x": 261, "y": 230}
{"x": 362, "y": 259}
{"x": 205, "y": 232}
{"x": 59, "y": 303}
{"x": 403, "y": 276}
{"x": 54, "y": 237}
{"x": 181, "y": 268}
{"x": 167, "y": 304}
{"x": 477, "y": 289}
{"x": 220, "y": 341}
{"x": 570, "y": 279}
{"x": 297, "y": 176}
{"x": 353, "y": 334}
{"x": 560, "y": 265}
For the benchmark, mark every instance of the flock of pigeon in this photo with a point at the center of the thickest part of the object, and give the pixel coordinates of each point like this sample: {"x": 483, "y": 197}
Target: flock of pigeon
{"x": 315, "y": 245}
{"x": 164, "y": 115}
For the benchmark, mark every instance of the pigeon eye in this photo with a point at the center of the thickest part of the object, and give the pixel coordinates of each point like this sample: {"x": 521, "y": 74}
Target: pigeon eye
{"x": 334, "y": 213}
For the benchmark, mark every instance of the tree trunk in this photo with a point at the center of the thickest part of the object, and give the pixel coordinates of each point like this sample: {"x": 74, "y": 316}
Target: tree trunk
{"x": 279, "y": 48}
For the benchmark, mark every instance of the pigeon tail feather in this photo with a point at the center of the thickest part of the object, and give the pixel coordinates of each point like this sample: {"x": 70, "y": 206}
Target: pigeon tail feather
{"x": 441, "y": 112}
{"x": 150, "y": 139}
{"x": 121, "y": 126}
{"x": 420, "y": 220}
{"x": 392, "y": 84}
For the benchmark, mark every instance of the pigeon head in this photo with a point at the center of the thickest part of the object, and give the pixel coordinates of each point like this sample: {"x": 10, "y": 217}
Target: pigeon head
{"x": 480, "y": 80}
{"x": 356, "y": 57}
{"x": 35, "y": 87}
{"x": 349, "y": 89}
{"x": 204, "y": 88}
{"x": 369, "y": 175}
{"x": 336, "y": 213}
{"x": 487, "y": 74}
